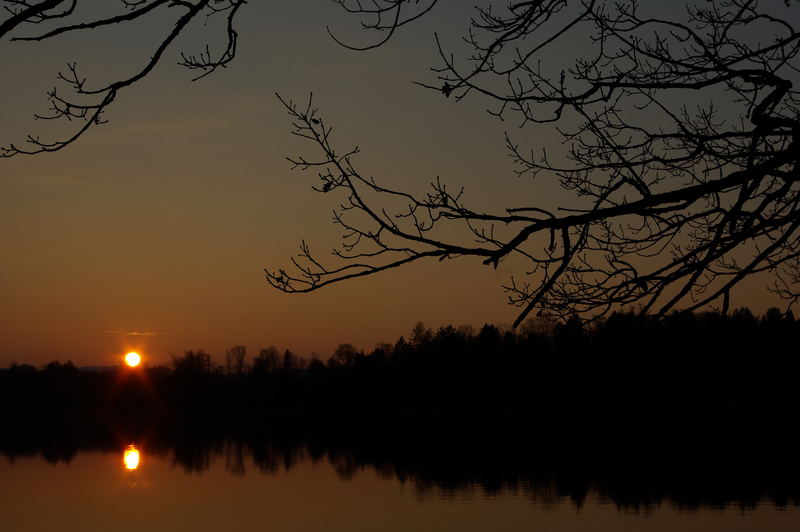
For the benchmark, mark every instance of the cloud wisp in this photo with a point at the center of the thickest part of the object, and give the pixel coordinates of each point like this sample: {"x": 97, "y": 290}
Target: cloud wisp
{"x": 125, "y": 332}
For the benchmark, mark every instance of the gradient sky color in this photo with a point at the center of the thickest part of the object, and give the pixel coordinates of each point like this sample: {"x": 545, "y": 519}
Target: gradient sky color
{"x": 152, "y": 232}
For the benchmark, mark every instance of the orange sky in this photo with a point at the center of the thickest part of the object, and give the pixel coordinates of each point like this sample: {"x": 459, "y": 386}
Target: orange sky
{"x": 153, "y": 231}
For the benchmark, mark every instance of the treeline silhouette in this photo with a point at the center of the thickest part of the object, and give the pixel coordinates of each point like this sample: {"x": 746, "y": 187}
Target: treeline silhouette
{"x": 708, "y": 364}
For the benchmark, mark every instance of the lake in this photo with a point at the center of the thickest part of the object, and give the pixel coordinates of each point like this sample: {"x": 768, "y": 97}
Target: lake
{"x": 241, "y": 484}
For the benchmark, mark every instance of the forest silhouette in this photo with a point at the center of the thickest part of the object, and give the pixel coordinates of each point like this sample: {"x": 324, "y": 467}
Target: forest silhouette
{"x": 706, "y": 364}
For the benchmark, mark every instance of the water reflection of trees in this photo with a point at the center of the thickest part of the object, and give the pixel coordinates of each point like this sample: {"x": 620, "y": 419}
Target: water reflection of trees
{"x": 635, "y": 470}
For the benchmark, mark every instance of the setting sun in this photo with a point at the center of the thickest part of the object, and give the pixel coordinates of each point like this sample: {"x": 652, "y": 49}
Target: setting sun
{"x": 133, "y": 359}
{"x": 131, "y": 457}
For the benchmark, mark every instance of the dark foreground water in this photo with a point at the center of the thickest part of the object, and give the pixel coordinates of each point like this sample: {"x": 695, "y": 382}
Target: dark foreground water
{"x": 461, "y": 482}
{"x": 96, "y": 492}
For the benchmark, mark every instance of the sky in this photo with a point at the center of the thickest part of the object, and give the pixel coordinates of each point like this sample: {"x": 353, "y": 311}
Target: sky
{"x": 152, "y": 232}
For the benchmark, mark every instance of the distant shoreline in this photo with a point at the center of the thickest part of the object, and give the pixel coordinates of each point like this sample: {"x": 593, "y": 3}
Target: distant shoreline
{"x": 687, "y": 368}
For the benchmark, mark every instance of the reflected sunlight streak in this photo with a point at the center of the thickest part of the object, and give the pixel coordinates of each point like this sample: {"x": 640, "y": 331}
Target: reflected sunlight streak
{"x": 131, "y": 457}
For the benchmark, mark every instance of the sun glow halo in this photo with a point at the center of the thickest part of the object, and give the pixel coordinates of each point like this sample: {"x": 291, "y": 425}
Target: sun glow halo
{"x": 133, "y": 359}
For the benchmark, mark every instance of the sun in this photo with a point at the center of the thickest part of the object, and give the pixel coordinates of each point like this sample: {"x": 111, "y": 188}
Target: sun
{"x": 133, "y": 359}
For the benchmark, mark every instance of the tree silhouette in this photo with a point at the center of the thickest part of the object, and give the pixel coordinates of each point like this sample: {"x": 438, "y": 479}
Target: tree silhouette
{"x": 84, "y": 102}
{"x": 680, "y": 128}
{"x": 266, "y": 361}
{"x": 344, "y": 356}
{"x": 234, "y": 360}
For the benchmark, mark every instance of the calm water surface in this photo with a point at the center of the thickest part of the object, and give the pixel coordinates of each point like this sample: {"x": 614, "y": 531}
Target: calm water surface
{"x": 136, "y": 489}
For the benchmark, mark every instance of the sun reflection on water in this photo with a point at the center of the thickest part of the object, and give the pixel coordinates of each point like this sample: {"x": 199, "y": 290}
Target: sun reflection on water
{"x": 131, "y": 457}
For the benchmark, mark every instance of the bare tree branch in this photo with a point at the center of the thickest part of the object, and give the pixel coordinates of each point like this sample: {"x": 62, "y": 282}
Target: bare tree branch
{"x": 676, "y": 201}
{"x": 85, "y": 104}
